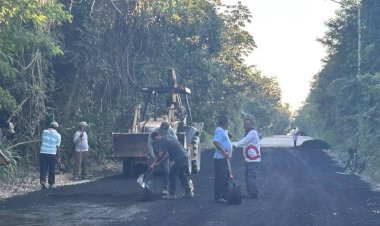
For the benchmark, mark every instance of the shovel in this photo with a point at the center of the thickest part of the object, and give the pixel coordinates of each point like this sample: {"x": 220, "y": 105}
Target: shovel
{"x": 144, "y": 180}
{"x": 234, "y": 193}
{"x": 62, "y": 167}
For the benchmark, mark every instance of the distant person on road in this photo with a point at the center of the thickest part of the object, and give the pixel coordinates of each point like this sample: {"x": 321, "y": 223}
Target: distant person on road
{"x": 295, "y": 133}
{"x": 7, "y": 129}
{"x": 80, "y": 152}
{"x": 351, "y": 151}
{"x": 252, "y": 156}
{"x": 51, "y": 140}
{"x": 170, "y": 148}
{"x": 163, "y": 130}
{"x": 223, "y": 150}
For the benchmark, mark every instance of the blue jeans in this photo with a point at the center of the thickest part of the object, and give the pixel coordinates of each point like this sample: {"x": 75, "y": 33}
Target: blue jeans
{"x": 251, "y": 172}
{"x": 47, "y": 164}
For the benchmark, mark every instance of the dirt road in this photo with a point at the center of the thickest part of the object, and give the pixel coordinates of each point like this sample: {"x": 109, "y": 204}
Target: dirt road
{"x": 297, "y": 187}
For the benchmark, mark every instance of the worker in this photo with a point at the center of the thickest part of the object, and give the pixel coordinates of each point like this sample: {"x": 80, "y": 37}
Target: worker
{"x": 223, "y": 151}
{"x": 170, "y": 148}
{"x": 295, "y": 133}
{"x": 6, "y": 130}
{"x": 81, "y": 152}
{"x": 163, "y": 130}
{"x": 252, "y": 156}
{"x": 51, "y": 140}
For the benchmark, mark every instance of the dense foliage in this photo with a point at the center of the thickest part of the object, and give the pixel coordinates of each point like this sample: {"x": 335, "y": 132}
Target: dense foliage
{"x": 343, "y": 106}
{"x": 88, "y": 60}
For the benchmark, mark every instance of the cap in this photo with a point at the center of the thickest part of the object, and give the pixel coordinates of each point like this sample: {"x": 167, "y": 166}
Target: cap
{"x": 10, "y": 127}
{"x": 164, "y": 126}
{"x": 82, "y": 124}
{"x": 54, "y": 124}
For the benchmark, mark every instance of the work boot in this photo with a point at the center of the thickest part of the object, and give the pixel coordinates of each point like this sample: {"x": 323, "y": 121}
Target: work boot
{"x": 164, "y": 192}
{"x": 221, "y": 200}
{"x": 188, "y": 195}
{"x": 85, "y": 177}
{"x": 169, "y": 197}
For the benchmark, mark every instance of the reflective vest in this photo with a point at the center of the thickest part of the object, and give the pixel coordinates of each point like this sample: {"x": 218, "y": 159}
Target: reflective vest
{"x": 251, "y": 153}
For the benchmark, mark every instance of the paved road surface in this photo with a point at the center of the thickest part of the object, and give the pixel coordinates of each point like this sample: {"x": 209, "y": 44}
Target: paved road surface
{"x": 298, "y": 187}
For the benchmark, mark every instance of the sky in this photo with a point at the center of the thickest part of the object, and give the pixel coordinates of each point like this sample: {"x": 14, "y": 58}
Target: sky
{"x": 285, "y": 32}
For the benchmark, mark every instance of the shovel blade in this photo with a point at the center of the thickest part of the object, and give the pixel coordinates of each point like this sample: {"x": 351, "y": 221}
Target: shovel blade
{"x": 234, "y": 194}
{"x": 141, "y": 181}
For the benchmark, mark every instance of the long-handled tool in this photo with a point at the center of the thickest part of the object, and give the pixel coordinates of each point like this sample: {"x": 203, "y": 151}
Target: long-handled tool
{"x": 234, "y": 193}
{"x": 62, "y": 167}
{"x": 145, "y": 181}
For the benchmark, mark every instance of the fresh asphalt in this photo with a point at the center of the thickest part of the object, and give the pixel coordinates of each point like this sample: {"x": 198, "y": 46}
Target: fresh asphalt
{"x": 297, "y": 187}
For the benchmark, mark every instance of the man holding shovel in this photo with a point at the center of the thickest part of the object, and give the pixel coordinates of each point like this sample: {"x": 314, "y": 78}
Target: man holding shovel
{"x": 252, "y": 156}
{"x": 170, "y": 148}
{"x": 163, "y": 130}
{"x": 80, "y": 152}
{"x": 223, "y": 151}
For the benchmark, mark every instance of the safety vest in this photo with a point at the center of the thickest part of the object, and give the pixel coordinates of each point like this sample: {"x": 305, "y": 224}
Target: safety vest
{"x": 251, "y": 153}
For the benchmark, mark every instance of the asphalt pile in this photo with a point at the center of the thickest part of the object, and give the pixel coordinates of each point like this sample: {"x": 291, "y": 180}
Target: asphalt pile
{"x": 315, "y": 144}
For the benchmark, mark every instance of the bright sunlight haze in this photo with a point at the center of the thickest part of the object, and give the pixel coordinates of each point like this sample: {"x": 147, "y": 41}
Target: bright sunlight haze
{"x": 285, "y": 33}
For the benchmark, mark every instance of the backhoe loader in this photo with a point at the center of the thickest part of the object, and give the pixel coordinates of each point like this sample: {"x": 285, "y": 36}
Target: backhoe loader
{"x": 132, "y": 146}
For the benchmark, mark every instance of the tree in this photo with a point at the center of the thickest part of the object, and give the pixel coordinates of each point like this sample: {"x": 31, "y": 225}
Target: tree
{"x": 27, "y": 43}
{"x": 342, "y": 105}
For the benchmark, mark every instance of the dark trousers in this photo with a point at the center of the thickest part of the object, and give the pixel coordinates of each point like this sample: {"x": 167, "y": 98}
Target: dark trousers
{"x": 47, "y": 164}
{"x": 165, "y": 174}
{"x": 251, "y": 173}
{"x": 221, "y": 179}
{"x": 180, "y": 169}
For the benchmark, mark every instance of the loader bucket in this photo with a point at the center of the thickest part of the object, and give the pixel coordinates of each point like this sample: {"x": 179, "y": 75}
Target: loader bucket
{"x": 130, "y": 145}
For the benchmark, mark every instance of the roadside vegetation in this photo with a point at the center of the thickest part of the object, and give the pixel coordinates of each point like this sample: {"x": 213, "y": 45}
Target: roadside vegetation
{"x": 71, "y": 61}
{"x": 343, "y": 107}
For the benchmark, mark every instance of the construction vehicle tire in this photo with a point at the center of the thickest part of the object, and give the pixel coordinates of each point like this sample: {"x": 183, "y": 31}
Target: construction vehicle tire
{"x": 196, "y": 154}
